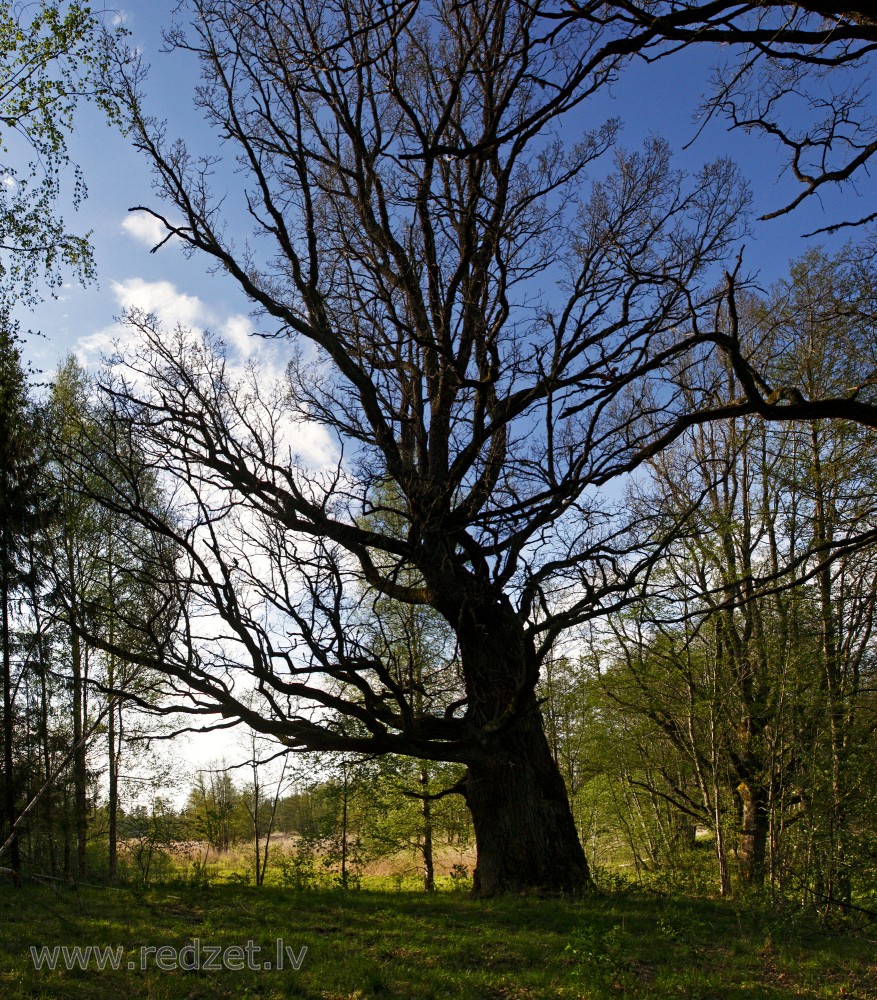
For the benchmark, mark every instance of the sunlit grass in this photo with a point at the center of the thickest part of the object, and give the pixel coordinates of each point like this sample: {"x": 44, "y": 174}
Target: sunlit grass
{"x": 409, "y": 945}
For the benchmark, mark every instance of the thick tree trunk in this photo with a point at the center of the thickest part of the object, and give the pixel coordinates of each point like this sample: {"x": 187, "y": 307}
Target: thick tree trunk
{"x": 524, "y": 829}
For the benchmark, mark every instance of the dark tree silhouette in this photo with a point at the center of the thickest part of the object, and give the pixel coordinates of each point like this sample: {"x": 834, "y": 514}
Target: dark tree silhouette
{"x": 480, "y": 334}
{"x": 19, "y": 508}
{"x": 798, "y": 73}
{"x": 787, "y": 55}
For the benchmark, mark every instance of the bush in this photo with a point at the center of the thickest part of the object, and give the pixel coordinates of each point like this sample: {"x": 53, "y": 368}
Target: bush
{"x": 298, "y": 870}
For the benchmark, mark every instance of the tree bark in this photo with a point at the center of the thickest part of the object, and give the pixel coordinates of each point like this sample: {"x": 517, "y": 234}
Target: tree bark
{"x": 838, "y": 887}
{"x": 80, "y": 792}
{"x": 113, "y": 791}
{"x": 46, "y": 748}
{"x": 524, "y": 829}
{"x": 113, "y": 748}
{"x": 426, "y": 829}
{"x": 752, "y": 839}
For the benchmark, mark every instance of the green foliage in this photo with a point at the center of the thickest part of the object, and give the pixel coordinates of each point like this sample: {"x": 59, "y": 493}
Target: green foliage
{"x": 599, "y": 956}
{"x": 460, "y": 878}
{"x": 53, "y": 55}
{"x": 150, "y": 831}
{"x": 199, "y": 875}
{"x": 20, "y": 489}
{"x": 718, "y": 734}
{"x": 298, "y": 868}
{"x": 214, "y": 812}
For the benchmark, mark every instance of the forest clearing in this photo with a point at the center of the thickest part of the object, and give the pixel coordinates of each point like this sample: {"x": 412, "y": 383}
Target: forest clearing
{"x": 438, "y": 498}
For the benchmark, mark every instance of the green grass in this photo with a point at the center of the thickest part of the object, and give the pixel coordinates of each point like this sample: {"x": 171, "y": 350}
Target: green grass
{"x": 409, "y": 946}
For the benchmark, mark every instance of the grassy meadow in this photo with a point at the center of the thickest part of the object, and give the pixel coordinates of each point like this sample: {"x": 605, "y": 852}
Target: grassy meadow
{"x": 407, "y": 945}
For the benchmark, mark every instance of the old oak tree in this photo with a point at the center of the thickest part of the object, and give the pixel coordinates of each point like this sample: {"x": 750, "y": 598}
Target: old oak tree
{"x": 483, "y": 337}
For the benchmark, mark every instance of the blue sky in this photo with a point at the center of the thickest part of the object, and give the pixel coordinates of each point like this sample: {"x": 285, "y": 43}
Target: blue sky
{"x": 81, "y": 318}
{"x": 660, "y": 99}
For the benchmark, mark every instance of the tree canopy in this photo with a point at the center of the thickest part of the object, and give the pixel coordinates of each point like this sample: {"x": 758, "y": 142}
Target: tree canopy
{"x": 475, "y": 326}
{"x": 53, "y": 56}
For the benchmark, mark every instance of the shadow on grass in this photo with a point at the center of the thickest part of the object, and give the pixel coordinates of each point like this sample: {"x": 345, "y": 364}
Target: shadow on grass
{"x": 379, "y": 944}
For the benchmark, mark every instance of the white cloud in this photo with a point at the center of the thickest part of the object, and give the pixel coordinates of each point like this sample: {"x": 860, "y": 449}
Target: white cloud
{"x": 144, "y": 228}
{"x": 164, "y": 299}
{"x": 236, "y": 332}
{"x": 91, "y": 349}
{"x": 173, "y": 308}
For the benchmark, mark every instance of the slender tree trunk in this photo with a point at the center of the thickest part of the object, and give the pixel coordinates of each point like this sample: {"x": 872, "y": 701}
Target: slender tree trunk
{"x": 258, "y": 853}
{"x": 80, "y": 791}
{"x": 47, "y": 764}
{"x": 254, "y": 816}
{"x": 344, "y": 831}
{"x": 65, "y": 826}
{"x": 271, "y": 820}
{"x": 80, "y": 816}
{"x": 44, "y": 709}
{"x": 113, "y": 792}
{"x": 721, "y": 853}
{"x": 112, "y": 734}
{"x": 837, "y": 877}
{"x": 426, "y": 846}
{"x": 9, "y": 729}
